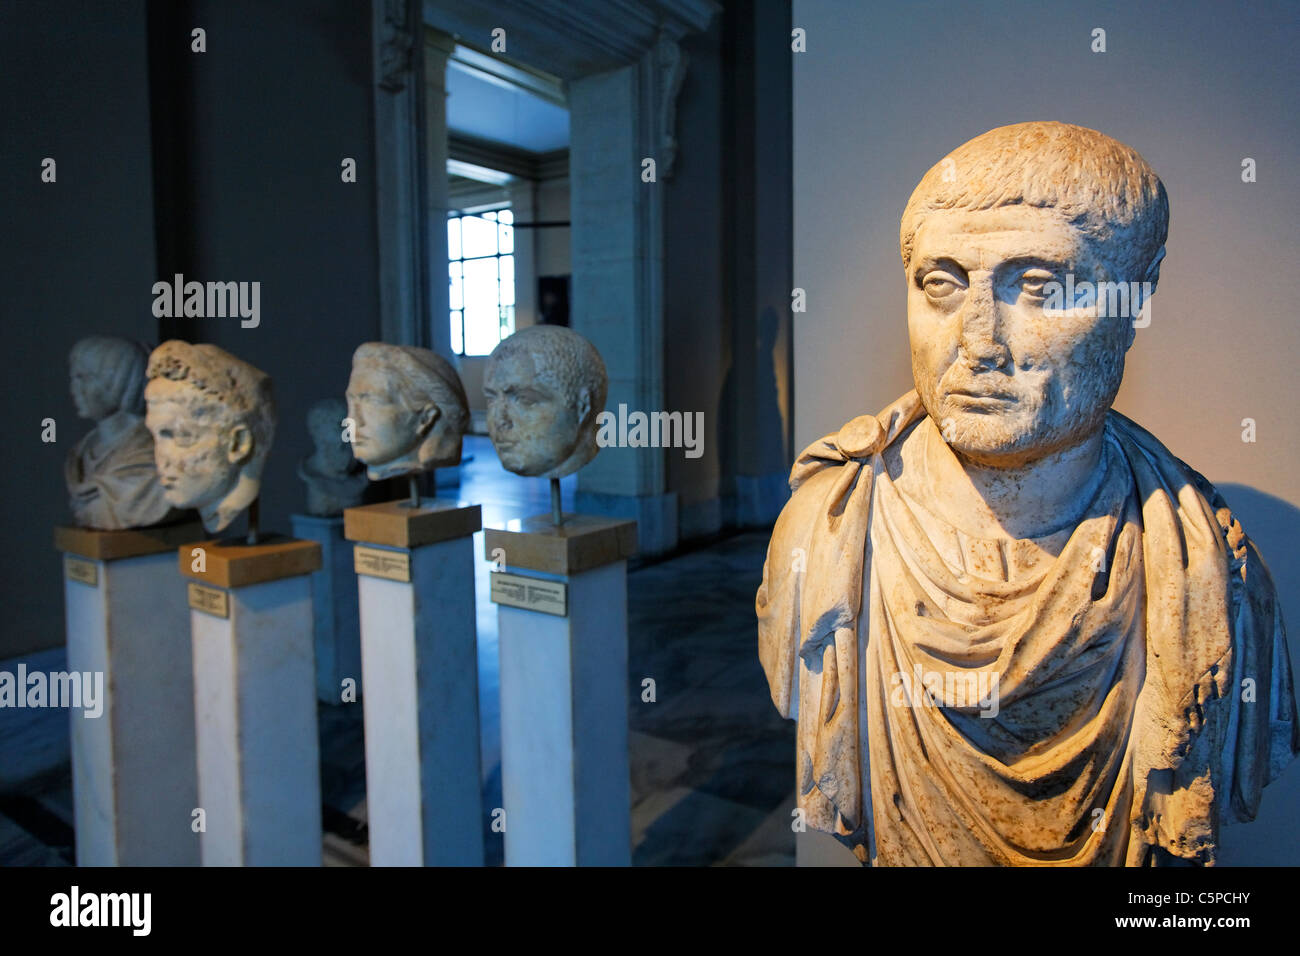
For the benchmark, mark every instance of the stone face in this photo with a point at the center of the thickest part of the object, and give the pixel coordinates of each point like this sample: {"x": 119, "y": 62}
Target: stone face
{"x": 545, "y": 385}
{"x": 1013, "y": 627}
{"x": 334, "y": 479}
{"x": 212, "y": 417}
{"x": 408, "y": 408}
{"x": 112, "y": 482}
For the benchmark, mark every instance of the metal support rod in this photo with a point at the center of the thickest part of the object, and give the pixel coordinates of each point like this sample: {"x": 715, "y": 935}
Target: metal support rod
{"x": 557, "y": 515}
{"x": 414, "y": 484}
{"x": 254, "y": 521}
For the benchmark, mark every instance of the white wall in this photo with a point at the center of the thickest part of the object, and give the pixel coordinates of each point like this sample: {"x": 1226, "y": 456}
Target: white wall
{"x": 884, "y": 92}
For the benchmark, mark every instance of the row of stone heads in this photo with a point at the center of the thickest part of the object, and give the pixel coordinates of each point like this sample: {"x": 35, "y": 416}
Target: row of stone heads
{"x": 190, "y": 426}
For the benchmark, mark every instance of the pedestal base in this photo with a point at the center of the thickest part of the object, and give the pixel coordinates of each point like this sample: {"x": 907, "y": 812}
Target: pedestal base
{"x": 255, "y": 702}
{"x": 563, "y": 646}
{"x": 419, "y": 659}
{"x": 133, "y": 767}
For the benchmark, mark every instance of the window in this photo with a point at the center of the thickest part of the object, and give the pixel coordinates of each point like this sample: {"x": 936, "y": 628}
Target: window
{"x": 481, "y": 267}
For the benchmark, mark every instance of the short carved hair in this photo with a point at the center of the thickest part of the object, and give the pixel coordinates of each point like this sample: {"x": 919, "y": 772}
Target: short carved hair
{"x": 235, "y": 391}
{"x": 418, "y": 377}
{"x": 119, "y": 363}
{"x": 1102, "y": 187}
{"x": 562, "y": 358}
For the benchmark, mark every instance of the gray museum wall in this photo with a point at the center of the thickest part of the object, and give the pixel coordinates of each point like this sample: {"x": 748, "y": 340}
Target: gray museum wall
{"x": 884, "y": 91}
{"x": 693, "y": 280}
{"x": 266, "y": 202}
{"x": 76, "y": 259}
{"x": 727, "y": 267}
{"x": 256, "y": 147}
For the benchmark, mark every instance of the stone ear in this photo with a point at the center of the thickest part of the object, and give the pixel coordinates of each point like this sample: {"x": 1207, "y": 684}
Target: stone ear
{"x": 240, "y": 444}
{"x": 1153, "y": 270}
{"x": 584, "y": 404}
{"x": 429, "y": 414}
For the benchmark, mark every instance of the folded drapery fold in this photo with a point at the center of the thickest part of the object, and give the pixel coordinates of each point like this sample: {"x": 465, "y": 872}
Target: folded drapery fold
{"x": 1097, "y": 698}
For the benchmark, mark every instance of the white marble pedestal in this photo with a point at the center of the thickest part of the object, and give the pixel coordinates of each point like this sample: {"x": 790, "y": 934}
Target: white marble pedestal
{"x": 415, "y": 582}
{"x": 561, "y": 595}
{"x": 255, "y": 701}
{"x": 133, "y": 770}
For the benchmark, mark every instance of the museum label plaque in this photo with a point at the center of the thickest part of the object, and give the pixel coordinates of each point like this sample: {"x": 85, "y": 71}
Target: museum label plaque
{"x": 79, "y": 569}
{"x": 212, "y": 601}
{"x": 531, "y": 594}
{"x": 381, "y": 563}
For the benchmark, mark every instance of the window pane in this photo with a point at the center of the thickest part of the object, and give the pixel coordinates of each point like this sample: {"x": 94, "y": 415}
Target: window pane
{"x": 480, "y": 237}
{"x": 455, "y": 293}
{"x": 453, "y": 238}
{"x": 480, "y": 288}
{"x": 507, "y": 280}
{"x": 482, "y": 330}
{"x": 481, "y": 280}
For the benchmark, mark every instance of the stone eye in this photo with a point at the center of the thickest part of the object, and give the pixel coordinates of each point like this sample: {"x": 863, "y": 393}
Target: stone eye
{"x": 939, "y": 285}
{"x": 1033, "y": 281}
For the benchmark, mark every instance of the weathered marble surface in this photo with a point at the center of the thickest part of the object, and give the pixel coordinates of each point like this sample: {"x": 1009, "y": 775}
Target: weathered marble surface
{"x": 212, "y": 417}
{"x": 408, "y": 407}
{"x": 333, "y": 477}
{"x": 112, "y": 482}
{"x": 1013, "y": 628}
{"x": 544, "y": 386}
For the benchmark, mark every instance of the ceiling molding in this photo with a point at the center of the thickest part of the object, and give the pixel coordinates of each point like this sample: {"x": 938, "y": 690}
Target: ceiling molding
{"x": 499, "y": 70}
{"x": 467, "y": 194}
{"x": 507, "y": 159}
{"x": 575, "y": 38}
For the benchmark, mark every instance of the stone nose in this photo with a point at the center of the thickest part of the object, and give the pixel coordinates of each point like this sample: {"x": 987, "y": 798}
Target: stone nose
{"x": 981, "y": 345}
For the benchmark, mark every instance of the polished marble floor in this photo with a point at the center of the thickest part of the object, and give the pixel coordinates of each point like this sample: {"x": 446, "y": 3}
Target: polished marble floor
{"x": 710, "y": 760}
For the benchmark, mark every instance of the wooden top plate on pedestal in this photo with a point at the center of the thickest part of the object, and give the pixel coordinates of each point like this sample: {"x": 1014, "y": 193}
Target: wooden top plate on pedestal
{"x": 583, "y": 542}
{"x": 233, "y": 564}
{"x": 398, "y": 525}
{"x": 127, "y": 543}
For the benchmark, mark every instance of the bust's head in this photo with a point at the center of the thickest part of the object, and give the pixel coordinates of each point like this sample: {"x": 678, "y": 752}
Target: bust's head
{"x": 544, "y": 387}
{"x": 408, "y": 408}
{"x": 212, "y": 417}
{"x": 325, "y": 426}
{"x": 1010, "y": 372}
{"x": 107, "y": 376}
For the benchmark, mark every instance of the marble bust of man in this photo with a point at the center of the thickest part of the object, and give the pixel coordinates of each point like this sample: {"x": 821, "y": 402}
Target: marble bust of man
{"x": 408, "y": 408}
{"x": 112, "y": 483}
{"x": 213, "y": 419}
{"x": 334, "y": 479}
{"x": 1013, "y": 628}
{"x": 545, "y": 386}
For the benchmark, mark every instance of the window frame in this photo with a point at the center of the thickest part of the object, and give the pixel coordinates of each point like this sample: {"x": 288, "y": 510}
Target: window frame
{"x": 505, "y": 320}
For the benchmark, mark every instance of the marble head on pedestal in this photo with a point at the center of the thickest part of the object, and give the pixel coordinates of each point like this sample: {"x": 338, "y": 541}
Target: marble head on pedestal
{"x": 213, "y": 419}
{"x": 545, "y": 386}
{"x": 112, "y": 483}
{"x": 408, "y": 409}
{"x": 335, "y": 480}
